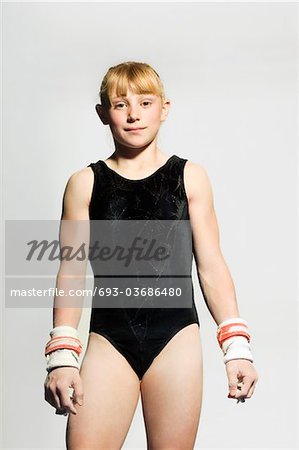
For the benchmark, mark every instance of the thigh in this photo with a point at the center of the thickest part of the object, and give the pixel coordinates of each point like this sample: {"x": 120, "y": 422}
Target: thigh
{"x": 111, "y": 392}
{"x": 171, "y": 392}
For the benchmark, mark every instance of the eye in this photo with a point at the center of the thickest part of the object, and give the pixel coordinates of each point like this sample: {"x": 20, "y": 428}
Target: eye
{"x": 146, "y": 101}
{"x": 119, "y": 104}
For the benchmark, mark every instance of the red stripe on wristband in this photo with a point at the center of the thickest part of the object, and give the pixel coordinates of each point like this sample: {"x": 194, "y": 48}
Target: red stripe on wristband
{"x": 61, "y": 347}
{"x": 63, "y": 337}
{"x": 223, "y": 337}
{"x": 229, "y": 325}
{"x": 61, "y": 342}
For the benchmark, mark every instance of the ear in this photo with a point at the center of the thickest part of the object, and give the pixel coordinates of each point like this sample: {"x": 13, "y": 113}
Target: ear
{"x": 102, "y": 113}
{"x": 165, "y": 109}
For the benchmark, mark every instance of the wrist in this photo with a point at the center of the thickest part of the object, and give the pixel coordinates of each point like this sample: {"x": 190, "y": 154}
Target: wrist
{"x": 234, "y": 339}
{"x": 63, "y": 349}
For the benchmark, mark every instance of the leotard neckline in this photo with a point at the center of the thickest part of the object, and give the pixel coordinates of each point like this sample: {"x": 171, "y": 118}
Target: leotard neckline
{"x": 130, "y": 180}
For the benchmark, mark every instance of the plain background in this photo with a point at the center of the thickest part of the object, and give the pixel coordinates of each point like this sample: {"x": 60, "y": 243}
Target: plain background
{"x": 229, "y": 70}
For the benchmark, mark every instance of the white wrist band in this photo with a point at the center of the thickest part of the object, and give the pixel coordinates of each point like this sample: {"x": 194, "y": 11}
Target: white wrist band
{"x": 233, "y": 320}
{"x": 236, "y": 347}
{"x": 64, "y": 348}
{"x": 61, "y": 358}
{"x": 64, "y": 330}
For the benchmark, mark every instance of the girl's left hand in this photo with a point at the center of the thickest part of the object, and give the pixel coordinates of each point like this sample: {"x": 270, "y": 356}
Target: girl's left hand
{"x": 242, "y": 378}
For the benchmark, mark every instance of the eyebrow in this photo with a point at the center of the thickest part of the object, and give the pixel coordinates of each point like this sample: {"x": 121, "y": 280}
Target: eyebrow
{"x": 139, "y": 95}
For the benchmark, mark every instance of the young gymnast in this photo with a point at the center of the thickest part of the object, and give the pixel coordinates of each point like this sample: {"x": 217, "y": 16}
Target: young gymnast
{"x": 155, "y": 352}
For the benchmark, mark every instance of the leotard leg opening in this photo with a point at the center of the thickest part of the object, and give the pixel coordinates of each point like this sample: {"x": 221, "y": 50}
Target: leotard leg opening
{"x": 140, "y": 355}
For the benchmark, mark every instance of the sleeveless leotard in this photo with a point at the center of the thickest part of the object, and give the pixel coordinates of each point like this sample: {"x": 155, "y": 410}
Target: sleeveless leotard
{"x": 140, "y": 335}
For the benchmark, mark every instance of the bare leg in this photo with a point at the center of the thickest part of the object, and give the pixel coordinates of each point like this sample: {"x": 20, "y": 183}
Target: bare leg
{"x": 171, "y": 392}
{"x": 111, "y": 393}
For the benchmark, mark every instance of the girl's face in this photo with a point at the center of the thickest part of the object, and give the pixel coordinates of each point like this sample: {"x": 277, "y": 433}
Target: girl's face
{"x": 135, "y": 119}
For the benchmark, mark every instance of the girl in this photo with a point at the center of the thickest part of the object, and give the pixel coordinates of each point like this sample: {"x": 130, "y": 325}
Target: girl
{"x": 155, "y": 352}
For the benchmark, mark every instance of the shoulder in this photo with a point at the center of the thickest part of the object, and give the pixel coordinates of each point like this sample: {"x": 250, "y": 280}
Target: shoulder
{"x": 82, "y": 175}
{"x": 196, "y": 180}
{"x": 195, "y": 169}
{"x": 80, "y": 183}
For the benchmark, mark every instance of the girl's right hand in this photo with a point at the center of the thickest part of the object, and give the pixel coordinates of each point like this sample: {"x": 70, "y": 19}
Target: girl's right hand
{"x": 57, "y": 384}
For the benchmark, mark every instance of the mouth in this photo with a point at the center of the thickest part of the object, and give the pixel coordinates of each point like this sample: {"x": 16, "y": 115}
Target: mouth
{"x": 134, "y": 129}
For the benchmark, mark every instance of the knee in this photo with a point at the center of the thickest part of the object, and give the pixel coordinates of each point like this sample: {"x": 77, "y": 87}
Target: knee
{"x": 171, "y": 443}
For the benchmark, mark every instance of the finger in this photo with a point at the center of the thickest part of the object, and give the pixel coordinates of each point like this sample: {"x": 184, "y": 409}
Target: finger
{"x": 244, "y": 386}
{"x": 57, "y": 400}
{"x": 61, "y": 412}
{"x": 251, "y": 390}
{"x": 65, "y": 400}
{"x": 78, "y": 391}
{"x": 232, "y": 385}
{"x": 236, "y": 385}
{"x": 51, "y": 397}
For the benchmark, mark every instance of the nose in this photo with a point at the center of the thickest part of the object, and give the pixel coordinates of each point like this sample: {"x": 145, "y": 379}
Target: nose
{"x": 133, "y": 113}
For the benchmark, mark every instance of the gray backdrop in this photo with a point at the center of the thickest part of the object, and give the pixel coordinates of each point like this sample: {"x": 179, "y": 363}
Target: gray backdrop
{"x": 230, "y": 71}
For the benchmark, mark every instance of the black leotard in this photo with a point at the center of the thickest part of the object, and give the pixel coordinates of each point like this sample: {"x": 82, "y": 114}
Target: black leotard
{"x": 140, "y": 335}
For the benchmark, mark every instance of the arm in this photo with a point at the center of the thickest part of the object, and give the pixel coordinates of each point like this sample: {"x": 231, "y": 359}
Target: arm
{"x": 214, "y": 277}
{"x": 74, "y": 231}
{"x": 71, "y": 275}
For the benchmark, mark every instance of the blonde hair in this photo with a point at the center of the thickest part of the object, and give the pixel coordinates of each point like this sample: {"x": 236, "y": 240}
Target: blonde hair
{"x": 139, "y": 77}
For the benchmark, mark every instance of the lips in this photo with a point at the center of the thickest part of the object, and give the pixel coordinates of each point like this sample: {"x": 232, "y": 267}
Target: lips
{"x": 134, "y": 129}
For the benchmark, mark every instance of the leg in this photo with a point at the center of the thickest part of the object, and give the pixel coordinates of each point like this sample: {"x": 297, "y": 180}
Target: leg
{"x": 111, "y": 393}
{"x": 171, "y": 392}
